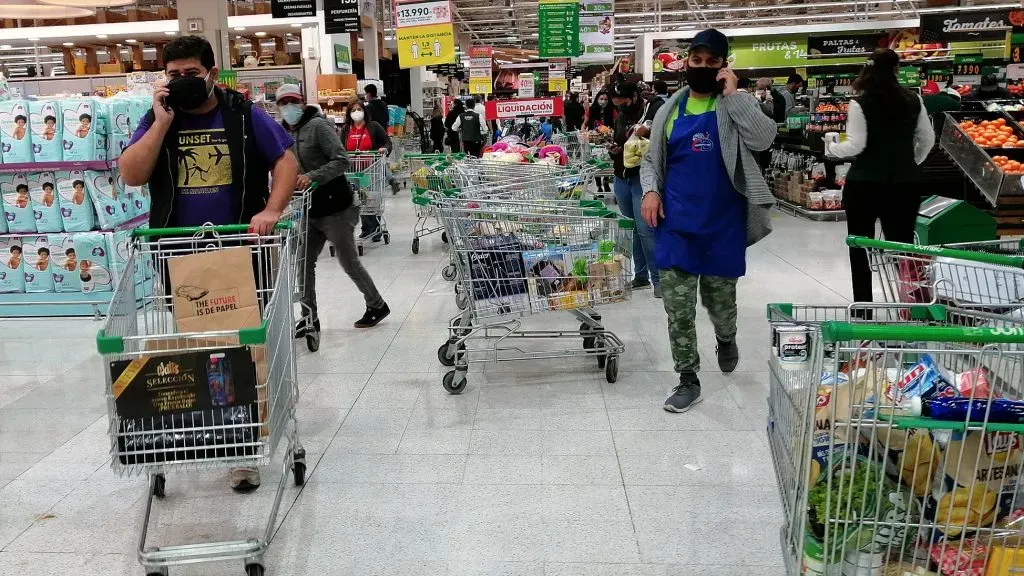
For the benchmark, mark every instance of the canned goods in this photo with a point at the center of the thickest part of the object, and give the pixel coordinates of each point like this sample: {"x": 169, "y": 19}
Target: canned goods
{"x": 791, "y": 343}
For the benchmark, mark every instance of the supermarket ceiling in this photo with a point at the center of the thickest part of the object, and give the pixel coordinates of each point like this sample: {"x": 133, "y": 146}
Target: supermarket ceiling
{"x": 514, "y": 22}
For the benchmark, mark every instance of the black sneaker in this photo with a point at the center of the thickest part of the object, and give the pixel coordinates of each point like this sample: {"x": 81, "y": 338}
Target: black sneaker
{"x": 373, "y": 316}
{"x": 728, "y": 355}
{"x": 641, "y": 283}
{"x": 685, "y": 395}
{"x": 378, "y": 236}
{"x": 394, "y": 187}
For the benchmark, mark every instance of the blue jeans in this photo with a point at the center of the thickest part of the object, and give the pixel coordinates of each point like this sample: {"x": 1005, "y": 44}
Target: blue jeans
{"x": 628, "y": 195}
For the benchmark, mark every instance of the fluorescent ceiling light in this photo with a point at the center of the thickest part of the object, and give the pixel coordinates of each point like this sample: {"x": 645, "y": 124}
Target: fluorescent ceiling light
{"x": 171, "y": 32}
{"x": 261, "y": 33}
{"x": 131, "y": 41}
{"x": 101, "y": 36}
{"x": 239, "y": 28}
{"x": 32, "y": 9}
{"x": 33, "y": 39}
{"x": 5, "y": 47}
{"x": 69, "y": 44}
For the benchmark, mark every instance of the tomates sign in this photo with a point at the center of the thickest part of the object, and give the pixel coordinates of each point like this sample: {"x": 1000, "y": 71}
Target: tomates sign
{"x": 509, "y": 109}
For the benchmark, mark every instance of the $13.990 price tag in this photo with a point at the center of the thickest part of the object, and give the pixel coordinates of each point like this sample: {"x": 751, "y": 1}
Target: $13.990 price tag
{"x": 423, "y": 13}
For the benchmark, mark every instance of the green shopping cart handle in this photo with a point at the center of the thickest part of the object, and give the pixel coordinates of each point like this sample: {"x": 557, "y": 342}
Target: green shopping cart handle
{"x": 455, "y": 156}
{"x": 599, "y": 164}
{"x": 193, "y": 230}
{"x": 846, "y": 332}
{"x": 255, "y": 336}
{"x": 920, "y": 250}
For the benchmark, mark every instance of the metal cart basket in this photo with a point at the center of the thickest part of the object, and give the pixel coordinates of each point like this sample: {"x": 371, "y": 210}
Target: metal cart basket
{"x": 368, "y": 179}
{"x": 520, "y": 258}
{"x": 980, "y": 275}
{"x": 298, "y": 215}
{"x": 868, "y": 487}
{"x": 141, "y": 327}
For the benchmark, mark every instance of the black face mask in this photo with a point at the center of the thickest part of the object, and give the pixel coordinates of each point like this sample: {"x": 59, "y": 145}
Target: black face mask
{"x": 187, "y": 93}
{"x": 703, "y": 80}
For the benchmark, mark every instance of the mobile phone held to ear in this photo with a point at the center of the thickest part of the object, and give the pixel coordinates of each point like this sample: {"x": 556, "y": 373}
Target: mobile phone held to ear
{"x": 720, "y": 86}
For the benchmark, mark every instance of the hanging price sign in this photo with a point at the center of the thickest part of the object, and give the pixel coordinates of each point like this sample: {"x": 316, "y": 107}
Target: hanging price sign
{"x": 424, "y": 33}
{"x": 423, "y": 13}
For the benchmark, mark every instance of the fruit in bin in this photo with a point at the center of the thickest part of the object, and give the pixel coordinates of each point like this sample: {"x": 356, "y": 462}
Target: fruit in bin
{"x": 992, "y": 134}
{"x": 1008, "y": 166}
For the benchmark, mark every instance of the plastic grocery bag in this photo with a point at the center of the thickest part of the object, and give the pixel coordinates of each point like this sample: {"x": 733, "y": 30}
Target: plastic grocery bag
{"x": 634, "y": 150}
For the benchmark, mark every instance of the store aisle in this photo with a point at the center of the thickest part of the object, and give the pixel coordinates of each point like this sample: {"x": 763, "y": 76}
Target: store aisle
{"x": 538, "y": 469}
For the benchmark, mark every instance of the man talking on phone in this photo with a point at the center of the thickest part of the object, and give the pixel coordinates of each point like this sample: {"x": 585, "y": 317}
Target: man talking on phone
{"x": 206, "y": 152}
{"x": 707, "y": 201}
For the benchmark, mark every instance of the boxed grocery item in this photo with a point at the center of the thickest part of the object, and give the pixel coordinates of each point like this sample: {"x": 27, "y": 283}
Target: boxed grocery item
{"x": 45, "y": 118}
{"x": 17, "y": 203}
{"x": 496, "y": 266}
{"x": 38, "y": 267}
{"x": 64, "y": 263}
{"x": 12, "y": 276}
{"x": 80, "y": 136}
{"x": 45, "y": 202}
{"x": 111, "y": 208}
{"x": 93, "y": 262}
{"x": 15, "y": 136}
{"x": 76, "y": 209}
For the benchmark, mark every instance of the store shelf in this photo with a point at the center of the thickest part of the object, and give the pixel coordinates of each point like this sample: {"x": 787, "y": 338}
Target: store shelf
{"x": 53, "y": 305}
{"x": 51, "y": 166}
{"x": 816, "y": 215}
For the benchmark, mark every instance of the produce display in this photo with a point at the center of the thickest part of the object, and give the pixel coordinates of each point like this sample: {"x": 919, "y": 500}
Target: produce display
{"x": 992, "y": 133}
{"x": 1008, "y": 166}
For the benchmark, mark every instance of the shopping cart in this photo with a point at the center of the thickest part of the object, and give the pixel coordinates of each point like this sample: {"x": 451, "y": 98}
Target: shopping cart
{"x": 576, "y": 145}
{"x": 474, "y": 176}
{"x": 298, "y": 214}
{"x": 429, "y": 178}
{"x": 368, "y": 180}
{"x": 868, "y": 487}
{"x": 520, "y": 258}
{"x": 979, "y": 275}
{"x": 141, "y": 328}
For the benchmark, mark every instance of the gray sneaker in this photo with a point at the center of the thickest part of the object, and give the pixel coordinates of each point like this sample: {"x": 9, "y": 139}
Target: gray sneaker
{"x": 657, "y": 290}
{"x": 245, "y": 479}
{"x": 685, "y": 395}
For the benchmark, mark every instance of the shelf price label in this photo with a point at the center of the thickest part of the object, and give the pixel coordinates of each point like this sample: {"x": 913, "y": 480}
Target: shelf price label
{"x": 1017, "y": 54}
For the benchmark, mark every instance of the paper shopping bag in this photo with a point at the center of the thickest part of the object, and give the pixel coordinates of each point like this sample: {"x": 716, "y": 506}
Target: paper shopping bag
{"x": 213, "y": 291}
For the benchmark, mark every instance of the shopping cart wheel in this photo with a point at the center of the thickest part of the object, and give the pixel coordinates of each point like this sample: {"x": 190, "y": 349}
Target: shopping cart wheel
{"x": 387, "y": 238}
{"x": 359, "y": 249}
{"x": 588, "y": 341}
{"x": 443, "y": 354}
{"x": 462, "y": 300}
{"x": 450, "y": 385}
{"x": 444, "y": 237}
{"x": 313, "y": 341}
{"x": 254, "y": 570}
{"x": 415, "y": 245}
{"x": 611, "y": 369}
{"x": 448, "y": 272}
{"x": 159, "y": 485}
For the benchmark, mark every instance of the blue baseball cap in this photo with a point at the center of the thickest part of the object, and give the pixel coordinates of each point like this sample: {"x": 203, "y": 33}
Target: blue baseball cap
{"x": 712, "y": 40}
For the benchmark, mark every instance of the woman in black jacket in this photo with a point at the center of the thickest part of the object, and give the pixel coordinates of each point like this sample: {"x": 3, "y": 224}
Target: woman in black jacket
{"x": 453, "y": 115}
{"x": 360, "y": 134}
{"x": 601, "y": 113}
{"x": 437, "y": 129}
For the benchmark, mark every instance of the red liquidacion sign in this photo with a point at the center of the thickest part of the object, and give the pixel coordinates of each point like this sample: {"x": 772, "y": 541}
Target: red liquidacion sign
{"x": 508, "y": 109}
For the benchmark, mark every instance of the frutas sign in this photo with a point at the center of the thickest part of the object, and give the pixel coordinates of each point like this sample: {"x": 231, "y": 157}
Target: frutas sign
{"x": 509, "y": 109}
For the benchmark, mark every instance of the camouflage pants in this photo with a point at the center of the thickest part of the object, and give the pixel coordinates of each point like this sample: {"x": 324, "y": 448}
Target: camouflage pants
{"x": 679, "y": 292}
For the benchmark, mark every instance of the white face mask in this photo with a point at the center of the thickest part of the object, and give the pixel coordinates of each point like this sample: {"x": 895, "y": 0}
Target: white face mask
{"x": 357, "y": 116}
{"x": 291, "y": 113}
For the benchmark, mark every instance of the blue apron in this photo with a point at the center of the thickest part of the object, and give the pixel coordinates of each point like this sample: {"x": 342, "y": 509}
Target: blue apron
{"x": 704, "y": 231}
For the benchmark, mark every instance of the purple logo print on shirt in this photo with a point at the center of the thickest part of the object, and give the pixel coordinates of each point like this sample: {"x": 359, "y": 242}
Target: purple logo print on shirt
{"x": 702, "y": 142}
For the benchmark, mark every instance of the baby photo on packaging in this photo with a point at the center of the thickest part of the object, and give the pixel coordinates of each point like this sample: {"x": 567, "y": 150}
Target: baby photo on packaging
{"x": 45, "y": 204}
{"x": 38, "y": 267}
{"x": 15, "y": 139}
{"x": 79, "y": 138}
{"x": 76, "y": 209}
{"x": 17, "y": 203}
{"x": 12, "y": 276}
{"x": 64, "y": 263}
{"x": 111, "y": 207}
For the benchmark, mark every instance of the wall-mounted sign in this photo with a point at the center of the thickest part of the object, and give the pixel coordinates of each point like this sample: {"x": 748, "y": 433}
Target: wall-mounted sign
{"x": 860, "y": 44}
{"x": 342, "y": 59}
{"x": 480, "y": 70}
{"x": 988, "y": 25}
{"x": 509, "y": 109}
{"x": 292, "y": 8}
{"x": 341, "y": 16}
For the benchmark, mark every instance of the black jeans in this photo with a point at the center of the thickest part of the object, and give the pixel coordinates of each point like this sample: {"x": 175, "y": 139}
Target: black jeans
{"x": 473, "y": 148}
{"x": 895, "y": 204}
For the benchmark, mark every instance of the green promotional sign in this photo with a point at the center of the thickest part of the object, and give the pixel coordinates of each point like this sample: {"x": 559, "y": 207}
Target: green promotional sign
{"x": 558, "y": 34}
{"x": 342, "y": 58}
{"x": 786, "y": 51}
{"x": 909, "y": 76}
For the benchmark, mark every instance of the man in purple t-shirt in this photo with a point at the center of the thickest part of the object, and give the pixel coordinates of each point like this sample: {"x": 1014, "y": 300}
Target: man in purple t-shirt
{"x": 208, "y": 155}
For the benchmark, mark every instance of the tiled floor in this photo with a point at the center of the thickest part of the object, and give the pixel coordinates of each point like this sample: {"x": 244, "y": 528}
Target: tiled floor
{"x": 537, "y": 469}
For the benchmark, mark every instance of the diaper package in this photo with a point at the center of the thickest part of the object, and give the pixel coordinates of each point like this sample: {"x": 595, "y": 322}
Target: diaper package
{"x": 45, "y": 202}
{"x": 130, "y": 196}
{"x": 101, "y": 124}
{"x": 64, "y": 263}
{"x": 75, "y": 206}
{"x": 93, "y": 261}
{"x": 17, "y": 203}
{"x": 120, "y": 248}
{"x": 118, "y": 125}
{"x": 79, "y": 132}
{"x": 15, "y": 136}
{"x": 12, "y": 276}
{"x": 111, "y": 209}
{"x": 38, "y": 267}
{"x": 45, "y": 118}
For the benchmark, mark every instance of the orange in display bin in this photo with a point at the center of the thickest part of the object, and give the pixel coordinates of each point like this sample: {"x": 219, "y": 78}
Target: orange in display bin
{"x": 996, "y": 133}
{"x": 1004, "y": 560}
